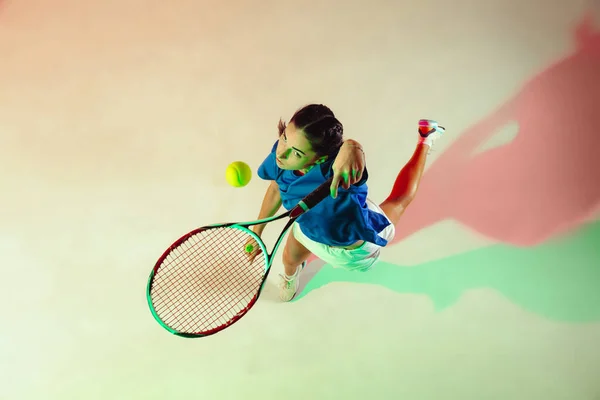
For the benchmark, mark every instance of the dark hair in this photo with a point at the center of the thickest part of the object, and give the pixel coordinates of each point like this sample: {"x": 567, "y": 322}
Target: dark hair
{"x": 322, "y": 129}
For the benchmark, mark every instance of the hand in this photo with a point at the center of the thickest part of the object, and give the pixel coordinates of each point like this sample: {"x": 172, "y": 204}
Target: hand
{"x": 348, "y": 166}
{"x": 256, "y": 250}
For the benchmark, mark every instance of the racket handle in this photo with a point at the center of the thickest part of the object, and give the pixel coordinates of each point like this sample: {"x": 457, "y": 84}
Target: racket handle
{"x": 314, "y": 198}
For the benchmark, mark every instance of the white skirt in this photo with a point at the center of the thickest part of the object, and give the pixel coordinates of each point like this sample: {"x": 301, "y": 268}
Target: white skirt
{"x": 362, "y": 258}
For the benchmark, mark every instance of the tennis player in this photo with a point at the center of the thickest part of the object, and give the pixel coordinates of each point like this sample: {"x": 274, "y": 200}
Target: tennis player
{"x": 346, "y": 229}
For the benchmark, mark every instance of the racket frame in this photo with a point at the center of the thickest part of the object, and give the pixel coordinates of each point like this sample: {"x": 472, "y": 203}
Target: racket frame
{"x": 302, "y": 207}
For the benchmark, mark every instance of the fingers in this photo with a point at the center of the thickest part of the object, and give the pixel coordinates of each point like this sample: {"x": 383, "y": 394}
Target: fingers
{"x": 333, "y": 189}
{"x": 350, "y": 166}
{"x": 337, "y": 175}
{"x": 252, "y": 249}
{"x": 348, "y": 179}
{"x": 252, "y": 255}
{"x": 358, "y": 176}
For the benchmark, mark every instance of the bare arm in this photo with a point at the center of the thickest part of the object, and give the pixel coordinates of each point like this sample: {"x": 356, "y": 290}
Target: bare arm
{"x": 271, "y": 203}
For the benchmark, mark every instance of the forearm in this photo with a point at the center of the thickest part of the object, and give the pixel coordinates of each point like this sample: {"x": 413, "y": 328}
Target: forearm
{"x": 271, "y": 203}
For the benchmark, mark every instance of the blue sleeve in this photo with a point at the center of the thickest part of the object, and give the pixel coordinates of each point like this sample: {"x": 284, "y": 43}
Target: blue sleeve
{"x": 269, "y": 170}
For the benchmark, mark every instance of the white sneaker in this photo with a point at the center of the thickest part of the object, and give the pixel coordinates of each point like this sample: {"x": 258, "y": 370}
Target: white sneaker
{"x": 289, "y": 284}
{"x": 429, "y": 131}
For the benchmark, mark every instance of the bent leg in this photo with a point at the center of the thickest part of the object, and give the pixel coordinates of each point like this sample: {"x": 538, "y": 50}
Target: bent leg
{"x": 294, "y": 254}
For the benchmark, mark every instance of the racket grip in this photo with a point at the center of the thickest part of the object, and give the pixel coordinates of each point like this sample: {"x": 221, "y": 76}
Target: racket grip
{"x": 312, "y": 199}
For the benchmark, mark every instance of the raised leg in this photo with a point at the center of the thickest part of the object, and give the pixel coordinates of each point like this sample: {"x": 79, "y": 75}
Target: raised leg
{"x": 407, "y": 182}
{"x": 406, "y": 185}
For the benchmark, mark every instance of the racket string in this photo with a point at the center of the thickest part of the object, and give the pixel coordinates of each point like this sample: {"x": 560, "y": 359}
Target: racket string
{"x": 207, "y": 280}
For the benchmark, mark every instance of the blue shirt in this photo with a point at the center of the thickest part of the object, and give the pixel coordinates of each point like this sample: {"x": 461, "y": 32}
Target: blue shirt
{"x": 335, "y": 222}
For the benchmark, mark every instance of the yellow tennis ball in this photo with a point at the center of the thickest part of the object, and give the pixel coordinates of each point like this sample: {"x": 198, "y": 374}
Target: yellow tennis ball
{"x": 238, "y": 174}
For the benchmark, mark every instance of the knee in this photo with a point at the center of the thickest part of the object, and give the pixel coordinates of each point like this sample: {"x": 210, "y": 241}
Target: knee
{"x": 402, "y": 201}
{"x": 294, "y": 253}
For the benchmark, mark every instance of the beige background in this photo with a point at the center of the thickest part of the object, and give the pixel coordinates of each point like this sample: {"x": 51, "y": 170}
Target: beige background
{"x": 117, "y": 121}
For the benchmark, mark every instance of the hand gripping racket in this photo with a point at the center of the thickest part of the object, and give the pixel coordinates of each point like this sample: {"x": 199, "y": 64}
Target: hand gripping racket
{"x": 211, "y": 277}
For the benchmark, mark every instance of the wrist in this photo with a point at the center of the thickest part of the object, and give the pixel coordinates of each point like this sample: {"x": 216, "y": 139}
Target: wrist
{"x": 353, "y": 143}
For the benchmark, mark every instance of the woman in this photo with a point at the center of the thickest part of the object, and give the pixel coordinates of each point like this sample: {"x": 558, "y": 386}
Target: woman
{"x": 346, "y": 230}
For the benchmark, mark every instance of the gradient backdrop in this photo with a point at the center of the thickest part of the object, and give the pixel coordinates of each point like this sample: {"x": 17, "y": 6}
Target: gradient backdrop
{"x": 118, "y": 119}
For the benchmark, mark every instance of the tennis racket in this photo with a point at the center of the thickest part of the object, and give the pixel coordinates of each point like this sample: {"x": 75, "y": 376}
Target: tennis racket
{"x": 212, "y": 276}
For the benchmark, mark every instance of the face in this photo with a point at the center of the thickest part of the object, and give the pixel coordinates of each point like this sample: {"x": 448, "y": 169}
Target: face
{"x": 294, "y": 151}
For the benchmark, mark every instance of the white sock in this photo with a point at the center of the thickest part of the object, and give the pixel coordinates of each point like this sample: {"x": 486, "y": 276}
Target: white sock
{"x": 292, "y": 276}
{"x": 426, "y": 140}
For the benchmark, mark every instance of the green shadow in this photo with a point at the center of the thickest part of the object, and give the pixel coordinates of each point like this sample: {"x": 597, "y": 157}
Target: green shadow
{"x": 559, "y": 279}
